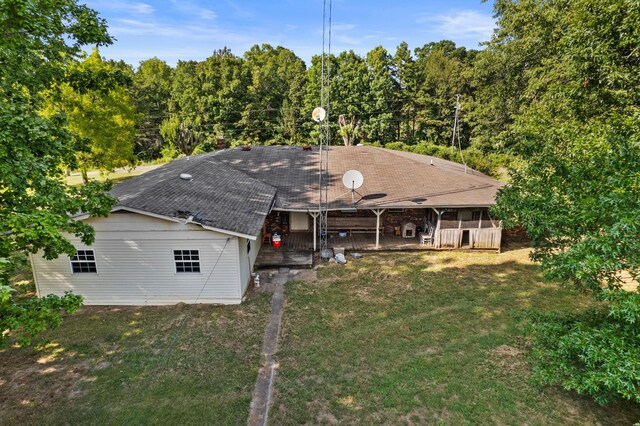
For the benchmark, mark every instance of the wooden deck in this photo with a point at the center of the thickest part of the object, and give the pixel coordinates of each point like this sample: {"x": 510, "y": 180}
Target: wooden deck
{"x": 353, "y": 242}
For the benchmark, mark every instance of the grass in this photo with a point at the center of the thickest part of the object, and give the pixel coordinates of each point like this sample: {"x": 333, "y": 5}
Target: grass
{"x": 183, "y": 364}
{"x": 116, "y": 177}
{"x": 421, "y": 338}
{"x": 411, "y": 338}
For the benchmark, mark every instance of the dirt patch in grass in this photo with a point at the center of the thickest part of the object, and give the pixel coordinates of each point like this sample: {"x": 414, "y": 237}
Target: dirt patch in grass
{"x": 123, "y": 365}
{"x": 423, "y": 338}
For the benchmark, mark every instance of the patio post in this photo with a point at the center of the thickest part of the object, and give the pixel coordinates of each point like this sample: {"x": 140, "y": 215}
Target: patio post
{"x": 315, "y": 230}
{"x": 378, "y": 212}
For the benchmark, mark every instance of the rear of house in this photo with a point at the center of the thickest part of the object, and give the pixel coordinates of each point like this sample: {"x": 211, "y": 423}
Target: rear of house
{"x": 190, "y": 231}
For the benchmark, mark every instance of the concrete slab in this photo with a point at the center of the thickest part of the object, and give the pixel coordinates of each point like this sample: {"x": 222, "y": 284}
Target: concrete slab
{"x": 269, "y": 258}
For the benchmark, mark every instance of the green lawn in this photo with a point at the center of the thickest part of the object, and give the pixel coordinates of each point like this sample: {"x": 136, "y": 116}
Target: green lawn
{"x": 421, "y": 338}
{"x": 184, "y": 364}
{"x": 116, "y": 176}
{"x": 404, "y": 338}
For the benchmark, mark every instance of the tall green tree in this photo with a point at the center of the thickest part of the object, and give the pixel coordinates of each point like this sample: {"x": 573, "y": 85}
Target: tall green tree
{"x": 103, "y": 116}
{"x": 151, "y": 92}
{"x": 406, "y": 104}
{"x": 577, "y": 193}
{"x": 40, "y": 38}
{"x": 442, "y": 74}
{"x": 277, "y": 80}
{"x": 383, "y": 89}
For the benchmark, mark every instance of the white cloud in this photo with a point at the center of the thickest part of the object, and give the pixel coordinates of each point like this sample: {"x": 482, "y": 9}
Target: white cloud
{"x": 460, "y": 23}
{"x": 194, "y": 9}
{"x": 131, "y": 7}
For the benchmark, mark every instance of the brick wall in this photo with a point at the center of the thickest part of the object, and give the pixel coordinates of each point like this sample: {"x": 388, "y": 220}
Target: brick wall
{"x": 278, "y": 222}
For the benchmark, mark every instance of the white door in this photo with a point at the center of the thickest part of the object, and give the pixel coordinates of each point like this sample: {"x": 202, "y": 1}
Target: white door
{"x": 299, "y": 221}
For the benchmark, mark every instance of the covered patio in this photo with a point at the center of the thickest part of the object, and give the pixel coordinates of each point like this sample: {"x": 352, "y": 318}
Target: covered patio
{"x": 297, "y": 248}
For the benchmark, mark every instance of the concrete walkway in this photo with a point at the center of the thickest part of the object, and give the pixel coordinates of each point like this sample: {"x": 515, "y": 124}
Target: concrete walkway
{"x": 261, "y": 401}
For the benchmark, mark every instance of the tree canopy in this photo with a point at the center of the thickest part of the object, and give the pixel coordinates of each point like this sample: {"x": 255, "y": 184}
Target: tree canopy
{"x": 40, "y": 39}
{"x": 569, "y": 74}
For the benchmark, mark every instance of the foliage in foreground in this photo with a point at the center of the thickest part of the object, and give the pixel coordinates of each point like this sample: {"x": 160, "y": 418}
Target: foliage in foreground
{"x": 577, "y": 191}
{"x": 596, "y": 353}
{"x": 21, "y": 321}
{"x": 23, "y": 317}
{"x": 40, "y": 39}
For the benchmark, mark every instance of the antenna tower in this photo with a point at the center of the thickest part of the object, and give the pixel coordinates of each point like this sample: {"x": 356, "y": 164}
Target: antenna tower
{"x": 456, "y": 133}
{"x": 325, "y": 133}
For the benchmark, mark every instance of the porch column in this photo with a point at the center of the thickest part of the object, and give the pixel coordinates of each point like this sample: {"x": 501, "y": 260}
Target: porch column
{"x": 436, "y": 233}
{"x": 378, "y": 212}
{"x": 315, "y": 230}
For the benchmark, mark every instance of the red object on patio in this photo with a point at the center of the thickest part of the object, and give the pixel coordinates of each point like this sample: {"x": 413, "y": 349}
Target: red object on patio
{"x": 276, "y": 241}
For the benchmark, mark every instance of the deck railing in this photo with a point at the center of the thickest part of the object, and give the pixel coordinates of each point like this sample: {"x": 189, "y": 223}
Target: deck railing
{"x": 470, "y": 224}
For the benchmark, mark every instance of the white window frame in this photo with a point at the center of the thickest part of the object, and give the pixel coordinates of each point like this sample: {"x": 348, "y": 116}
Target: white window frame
{"x": 80, "y": 261}
{"x": 175, "y": 261}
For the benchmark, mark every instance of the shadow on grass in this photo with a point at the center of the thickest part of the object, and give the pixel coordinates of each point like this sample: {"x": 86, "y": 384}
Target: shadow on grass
{"x": 423, "y": 338}
{"x": 120, "y": 365}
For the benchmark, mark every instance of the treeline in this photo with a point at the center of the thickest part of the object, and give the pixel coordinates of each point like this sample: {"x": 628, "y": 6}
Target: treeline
{"x": 405, "y": 99}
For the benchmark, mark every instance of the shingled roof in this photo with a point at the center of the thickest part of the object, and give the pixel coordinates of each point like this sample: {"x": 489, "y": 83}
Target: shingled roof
{"x": 217, "y": 196}
{"x": 391, "y": 178}
{"x": 234, "y": 190}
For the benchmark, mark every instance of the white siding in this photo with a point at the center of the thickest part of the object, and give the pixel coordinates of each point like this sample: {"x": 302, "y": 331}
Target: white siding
{"x": 134, "y": 255}
{"x": 248, "y": 261}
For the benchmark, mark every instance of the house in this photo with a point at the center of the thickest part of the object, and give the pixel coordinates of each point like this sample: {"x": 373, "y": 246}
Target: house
{"x": 190, "y": 231}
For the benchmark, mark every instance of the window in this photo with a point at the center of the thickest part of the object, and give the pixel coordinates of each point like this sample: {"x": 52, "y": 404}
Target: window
{"x": 84, "y": 261}
{"x": 476, "y": 214}
{"x": 187, "y": 260}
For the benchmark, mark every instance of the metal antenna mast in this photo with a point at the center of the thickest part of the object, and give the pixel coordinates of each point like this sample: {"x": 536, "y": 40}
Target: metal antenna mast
{"x": 456, "y": 133}
{"x": 325, "y": 131}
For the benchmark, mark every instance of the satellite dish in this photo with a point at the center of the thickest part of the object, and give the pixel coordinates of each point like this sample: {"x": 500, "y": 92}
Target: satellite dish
{"x": 318, "y": 114}
{"x": 353, "y": 179}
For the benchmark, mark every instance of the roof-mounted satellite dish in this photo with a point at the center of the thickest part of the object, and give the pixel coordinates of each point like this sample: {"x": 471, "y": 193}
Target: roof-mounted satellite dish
{"x": 353, "y": 179}
{"x": 318, "y": 114}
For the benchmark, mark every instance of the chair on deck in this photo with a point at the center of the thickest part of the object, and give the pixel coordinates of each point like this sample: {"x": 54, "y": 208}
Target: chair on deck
{"x": 427, "y": 237}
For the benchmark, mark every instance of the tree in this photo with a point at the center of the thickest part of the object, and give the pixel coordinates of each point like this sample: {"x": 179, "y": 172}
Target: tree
{"x": 382, "y": 93}
{"x": 151, "y": 92}
{"x": 40, "y": 39}
{"x": 405, "y": 103}
{"x": 349, "y": 131}
{"x": 181, "y": 134}
{"x": 577, "y": 193}
{"x": 441, "y": 69}
{"x": 274, "y": 96}
{"x": 104, "y": 116}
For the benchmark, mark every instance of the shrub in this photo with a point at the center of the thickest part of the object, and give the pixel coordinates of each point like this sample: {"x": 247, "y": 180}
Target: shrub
{"x": 596, "y": 353}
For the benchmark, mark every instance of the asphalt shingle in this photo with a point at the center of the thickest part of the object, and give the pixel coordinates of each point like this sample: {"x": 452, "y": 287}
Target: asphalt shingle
{"x": 234, "y": 190}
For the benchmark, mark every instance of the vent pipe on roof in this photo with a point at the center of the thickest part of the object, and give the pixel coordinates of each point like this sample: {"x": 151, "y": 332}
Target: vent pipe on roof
{"x": 185, "y": 176}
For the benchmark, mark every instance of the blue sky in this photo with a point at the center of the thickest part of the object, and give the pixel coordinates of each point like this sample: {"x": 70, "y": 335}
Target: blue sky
{"x": 193, "y": 29}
